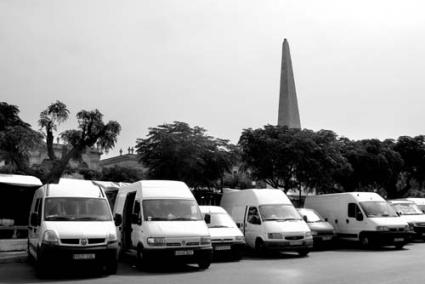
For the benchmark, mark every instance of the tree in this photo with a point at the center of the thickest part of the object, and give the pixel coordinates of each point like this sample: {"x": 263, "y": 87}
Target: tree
{"x": 50, "y": 118}
{"x": 16, "y": 139}
{"x": 412, "y": 151}
{"x": 292, "y": 158}
{"x": 122, "y": 174}
{"x": 91, "y": 131}
{"x": 376, "y": 166}
{"x": 178, "y": 152}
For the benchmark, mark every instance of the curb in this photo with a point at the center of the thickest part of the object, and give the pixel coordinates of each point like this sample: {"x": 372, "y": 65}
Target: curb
{"x": 13, "y": 257}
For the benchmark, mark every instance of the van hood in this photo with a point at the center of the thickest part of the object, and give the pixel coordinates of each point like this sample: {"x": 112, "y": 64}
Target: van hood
{"x": 81, "y": 229}
{"x": 224, "y": 232}
{"x": 389, "y": 221}
{"x": 177, "y": 228}
{"x": 321, "y": 227}
{"x": 286, "y": 227}
{"x": 413, "y": 218}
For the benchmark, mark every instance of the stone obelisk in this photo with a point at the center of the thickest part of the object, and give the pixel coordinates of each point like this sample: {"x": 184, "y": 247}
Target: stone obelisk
{"x": 288, "y": 104}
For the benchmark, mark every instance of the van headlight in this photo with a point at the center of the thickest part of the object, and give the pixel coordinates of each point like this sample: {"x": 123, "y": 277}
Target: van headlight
{"x": 155, "y": 241}
{"x": 205, "y": 240}
{"x": 240, "y": 239}
{"x": 382, "y": 228}
{"x": 308, "y": 234}
{"x": 112, "y": 238}
{"x": 50, "y": 238}
{"x": 275, "y": 236}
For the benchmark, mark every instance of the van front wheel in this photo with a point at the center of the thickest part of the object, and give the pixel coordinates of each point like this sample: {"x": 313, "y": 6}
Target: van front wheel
{"x": 303, "y": 252}
{"x": 204, "y": 263}
{"x": 364, "y": 240}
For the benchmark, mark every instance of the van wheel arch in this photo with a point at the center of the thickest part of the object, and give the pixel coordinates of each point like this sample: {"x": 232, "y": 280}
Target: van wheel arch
{"x": 259, "y": 246}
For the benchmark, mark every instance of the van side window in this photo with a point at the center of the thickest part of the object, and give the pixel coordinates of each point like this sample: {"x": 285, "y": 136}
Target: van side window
{"x": 136, "y": 212}
{"x": 352, "y": 210}
{"x": 38, "y": 208}
{"x": 253, "y": 216}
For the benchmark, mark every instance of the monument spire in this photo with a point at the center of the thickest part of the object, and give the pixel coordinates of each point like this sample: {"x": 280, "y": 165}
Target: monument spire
{"x": 288, "y": 104}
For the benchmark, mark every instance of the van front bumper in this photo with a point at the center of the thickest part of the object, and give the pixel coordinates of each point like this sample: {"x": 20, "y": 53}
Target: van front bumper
{"x": 186, "y": 255}
{"x": 306, "y": 243}
{"x": 388, "y": 238}
{"x": 56, "y": 254}
{"x": 227, "y": 247}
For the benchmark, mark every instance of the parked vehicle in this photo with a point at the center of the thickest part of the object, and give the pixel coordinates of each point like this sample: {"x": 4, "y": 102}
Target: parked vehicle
{"x": 71, "y": 222}
{"x": 410, "y": 213}
{"x": 268, "y": 220}
{"x": 161, "y": 220}
{"x": 361, "y": 216}
{"x": 420, "y": 202}
{"x": 225, "y": 235}
{"x": 322, "y": 231}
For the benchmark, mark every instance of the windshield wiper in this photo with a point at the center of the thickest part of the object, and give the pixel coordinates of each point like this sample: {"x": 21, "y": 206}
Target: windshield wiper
{"x": 290, "y": 219}
{"x": 88, "y": 219}
{"x": 219, "y": 226}
{"x": 58, "y": 218}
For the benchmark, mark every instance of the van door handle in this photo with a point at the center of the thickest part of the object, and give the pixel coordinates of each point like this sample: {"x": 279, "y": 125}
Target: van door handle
{"x": 347, "y": 221}
{"x": 336, "y": 221}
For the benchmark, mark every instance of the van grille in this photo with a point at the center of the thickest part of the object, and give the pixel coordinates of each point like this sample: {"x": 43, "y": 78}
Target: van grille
{"x": 293, "y": 238}
{"x": 396, "y": 229}
{"x": 173, "y": 244}
{"x": 70, "y": 241}
{"x": 221, "y": 240}
{"x": 192, "y": 244}
{"x": 96, "y": 241}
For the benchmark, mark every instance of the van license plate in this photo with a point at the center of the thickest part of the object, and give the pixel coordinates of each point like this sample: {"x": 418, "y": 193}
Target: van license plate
{"x": 223, "y": 248}
{"x": 326, "y": 238}
{"x": 84, "y": 256}
{"x": 184, "y": 252}
{"x": 399, "y": 239}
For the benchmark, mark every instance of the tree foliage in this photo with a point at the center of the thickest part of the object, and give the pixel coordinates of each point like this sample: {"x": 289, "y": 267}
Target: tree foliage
{"x": 292, "y": 158}
{"x": 179, "y": 152}
{"x": 17, "y": 139}
{"x": 50, "y": 118}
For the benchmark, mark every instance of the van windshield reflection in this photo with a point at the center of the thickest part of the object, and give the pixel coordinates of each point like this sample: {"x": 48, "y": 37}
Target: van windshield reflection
{"x": 76, "y": 209}
{"x": 378, "y": 209}
{"x": 279, "y": 212}
{"x": 171, "y": 210}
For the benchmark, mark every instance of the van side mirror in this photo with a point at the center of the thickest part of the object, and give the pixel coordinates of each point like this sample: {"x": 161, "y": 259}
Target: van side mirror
{"x": 207, "y": 218}
{"x": 136, "y": 219}
{"x": 305, "y": 218}
{"x": 359, "y": 216}
{"x": 256, "y": 220}
{"x": 118, "y": 220}
{"x": 34, "y": 219}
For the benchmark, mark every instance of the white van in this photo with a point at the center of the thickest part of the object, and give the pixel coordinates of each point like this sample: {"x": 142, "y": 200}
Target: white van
{"x": 161, "y": 219}
{"x": 361, "y": 216}
{"x": 268, "y": 220}
{"x": 410, "y": 212}
{"x": 225, "y": 235}
{"x": 420, "y": 202}
{"x": 71, "y": 222}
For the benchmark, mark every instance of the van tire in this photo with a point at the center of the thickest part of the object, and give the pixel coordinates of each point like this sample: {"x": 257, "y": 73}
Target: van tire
{"x": 141, "y": 258}
{"x": 365, "y": 241}
{"x": 259, "y": 247}
{"x": 40, "y": 269}
{"x": 31, "y": 258}
{"x": 111, "y": 267}
{"x": 303, "y": 252}
{"x": 204, "y": 263}
{"x": 399, "y": 246}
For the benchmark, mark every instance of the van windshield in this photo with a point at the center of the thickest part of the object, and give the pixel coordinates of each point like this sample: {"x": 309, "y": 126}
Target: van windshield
{"x": 378, "y": 209}
{"x": 311, "y": 216}
{"x": 279, "y": 212}
{"x": 407, "y": 209}
{"x": 221, "y": 220}
{"x": 171, "y": 210}
{"x": 76, "y": 209}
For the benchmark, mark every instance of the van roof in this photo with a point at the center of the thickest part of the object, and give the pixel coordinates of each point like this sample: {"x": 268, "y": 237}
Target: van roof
{"x": 154, "y": 189}
{"x": 259, "y": 196}
{"x": 212, "y": 209}
{"x": 360, "y": 196}
{"x": 417, "y": 200}
{"x": 73, "y": 188}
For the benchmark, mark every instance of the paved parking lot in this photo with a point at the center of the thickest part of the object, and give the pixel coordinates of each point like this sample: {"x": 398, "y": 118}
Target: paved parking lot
{"x": 343, "y": 265}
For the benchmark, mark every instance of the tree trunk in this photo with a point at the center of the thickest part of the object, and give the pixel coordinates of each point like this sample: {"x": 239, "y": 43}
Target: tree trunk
{"x": 59, "y": 167}
{"x": 49, "y": 142}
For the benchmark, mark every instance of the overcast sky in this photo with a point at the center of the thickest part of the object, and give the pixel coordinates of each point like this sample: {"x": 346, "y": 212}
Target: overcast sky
{"x": 359, "y": 65}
